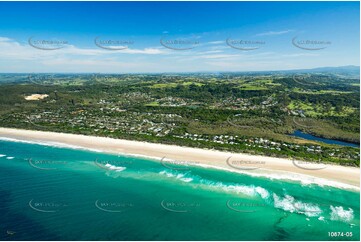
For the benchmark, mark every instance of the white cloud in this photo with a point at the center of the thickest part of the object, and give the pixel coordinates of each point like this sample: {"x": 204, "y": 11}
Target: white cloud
{"x": 3, "y": 39}
{"x": 11, "y": 49}
{"x": 146, "y": 51}
{"x": 22, "y": 57}
{"x": 219, "y": 56}
{"x": 271, "y": 33}
{"x": 211, "y": 51}
{"x": 216, "y": 42}
{"x": 18, "y": 56}
{"x": 300, "y": 54}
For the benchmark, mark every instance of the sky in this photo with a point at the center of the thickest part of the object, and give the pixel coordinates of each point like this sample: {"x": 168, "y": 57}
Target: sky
{"x": 156, "y": 37}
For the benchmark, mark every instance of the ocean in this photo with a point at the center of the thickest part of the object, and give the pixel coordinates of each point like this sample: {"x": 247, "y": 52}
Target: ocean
{"x": 49, "y": 192}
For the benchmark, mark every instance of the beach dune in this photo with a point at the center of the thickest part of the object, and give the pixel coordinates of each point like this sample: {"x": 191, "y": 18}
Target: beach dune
{"x": 273, "y": 168}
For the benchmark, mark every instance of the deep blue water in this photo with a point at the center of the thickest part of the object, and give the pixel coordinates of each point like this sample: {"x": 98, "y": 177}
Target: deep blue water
{"x": 302, "y": 135}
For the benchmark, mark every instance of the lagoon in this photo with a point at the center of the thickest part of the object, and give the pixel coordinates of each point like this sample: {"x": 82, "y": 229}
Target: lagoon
{"x": 300, "y": 134}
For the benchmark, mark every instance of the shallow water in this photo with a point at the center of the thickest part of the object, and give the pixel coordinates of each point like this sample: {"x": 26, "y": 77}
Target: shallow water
{"x": 53, "y": 193}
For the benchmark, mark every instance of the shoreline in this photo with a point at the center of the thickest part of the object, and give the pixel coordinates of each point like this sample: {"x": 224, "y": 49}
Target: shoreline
{"x": 254, "y": 165}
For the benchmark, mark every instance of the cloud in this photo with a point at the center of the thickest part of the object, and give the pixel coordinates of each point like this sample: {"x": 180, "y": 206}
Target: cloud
{"x": 3, "y": 39}
{"x": 20, "y": 57}
{"x": 219, "y": 56}
{"x": 300, "y": 54}
{"x": 11, "y": 49}
{"x": 87, "y": 62}
{"x": 17, "y": 56}
{"x": 271, "y": 33}
{"x": 212, "y": 51}
{"x": 146, "y": 51}
{"x": 216, "y": 42}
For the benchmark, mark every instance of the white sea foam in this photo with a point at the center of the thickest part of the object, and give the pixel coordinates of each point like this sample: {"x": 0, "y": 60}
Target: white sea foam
{"x": 187, "y": 179}
{"x": 235, "y": 188}
{"x": 290, "y": 204}
{"x": 247, "y": 190}
{"x": 272, "y": 175}
{"x": 183, "y": 178}
{"x": 168, "y": 174}
{"x": 115, "y": 168}
{"x": 1, "y": 155}
{"x": 340, "y": 214}
{"x": 276, "y": 175}
{"x": 285, "y": 203}
{"x": 178, "y": 176}
{"x": 262, "y": 192}
{"x": 10, "y": 157}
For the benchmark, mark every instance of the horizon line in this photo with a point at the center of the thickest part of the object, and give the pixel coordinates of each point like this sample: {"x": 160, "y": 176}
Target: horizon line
{"x": 181, "y": 72}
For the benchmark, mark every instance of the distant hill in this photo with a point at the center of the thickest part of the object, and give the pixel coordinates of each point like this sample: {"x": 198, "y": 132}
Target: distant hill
{"x": 351, "y": 71}
{"x": 343, "y": 71}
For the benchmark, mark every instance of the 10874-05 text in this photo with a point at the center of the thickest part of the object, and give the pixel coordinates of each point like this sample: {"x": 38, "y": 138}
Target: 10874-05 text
{"x": 340, "y": 234}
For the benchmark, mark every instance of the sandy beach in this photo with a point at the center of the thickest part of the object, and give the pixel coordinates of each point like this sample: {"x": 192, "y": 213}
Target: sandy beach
{"x": 273, "y": 168}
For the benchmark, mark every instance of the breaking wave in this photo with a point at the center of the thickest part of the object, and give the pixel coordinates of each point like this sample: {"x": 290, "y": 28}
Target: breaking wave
{"x": 285, "y": 202}
{"x": 340, "y": 214}
{"x": 115, "y": 168}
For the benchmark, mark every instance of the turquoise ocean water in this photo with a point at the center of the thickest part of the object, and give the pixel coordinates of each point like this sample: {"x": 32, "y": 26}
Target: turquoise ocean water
{"x": 53, "y": 193}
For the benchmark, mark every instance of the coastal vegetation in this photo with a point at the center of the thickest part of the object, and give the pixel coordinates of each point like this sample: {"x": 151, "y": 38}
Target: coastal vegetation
{"x": 238, "y": 112}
